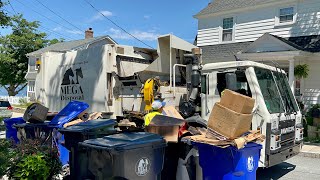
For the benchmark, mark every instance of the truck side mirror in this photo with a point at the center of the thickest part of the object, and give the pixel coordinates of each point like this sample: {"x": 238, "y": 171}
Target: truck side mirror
{"x": 231, "y": 81}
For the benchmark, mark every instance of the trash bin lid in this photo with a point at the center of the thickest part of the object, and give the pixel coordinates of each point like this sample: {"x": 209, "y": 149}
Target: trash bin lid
{"x": 14, "y": 120}
{"x": 126, "y": 141}
{"x": 36, "y": 125}
{"x": 91, "y": 125}
{"x": 69, "y": 112}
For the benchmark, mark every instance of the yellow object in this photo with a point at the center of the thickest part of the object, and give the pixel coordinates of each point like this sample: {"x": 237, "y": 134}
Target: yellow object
{"x": 148, "y": 118}
{"x": 38, "y": 63}
{"x": 148, "y": 94}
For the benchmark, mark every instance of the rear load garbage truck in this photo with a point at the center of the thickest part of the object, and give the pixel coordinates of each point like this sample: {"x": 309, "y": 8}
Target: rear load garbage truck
{"x": 87, "y": 75}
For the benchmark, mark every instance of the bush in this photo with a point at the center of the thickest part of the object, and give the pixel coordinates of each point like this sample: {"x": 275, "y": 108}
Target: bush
{"x": 32, "y": 166}
{"x": 34, "y": 160}
{"x": 5, "y": 155}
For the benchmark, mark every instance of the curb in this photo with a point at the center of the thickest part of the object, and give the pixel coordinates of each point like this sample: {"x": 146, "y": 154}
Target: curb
{"x": 309, "y": 154}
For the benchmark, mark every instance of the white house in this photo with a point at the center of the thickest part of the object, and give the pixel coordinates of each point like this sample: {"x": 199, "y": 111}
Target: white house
{"x": 281, "y": 33}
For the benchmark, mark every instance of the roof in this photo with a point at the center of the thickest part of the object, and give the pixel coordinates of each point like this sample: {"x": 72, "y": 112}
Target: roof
{"x": 232, "y": 64}
{"x": 225, "y": 5}
{"x": 303, "y": 43}
{"x": 222, "y": 51}
{"x": 214, "y": 53}
{"x": 69, "y": 45}
{"x": 306, "y": 43}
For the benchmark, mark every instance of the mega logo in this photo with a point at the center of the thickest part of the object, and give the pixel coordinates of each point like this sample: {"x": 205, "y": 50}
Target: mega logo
{"x": 70, "y": 87}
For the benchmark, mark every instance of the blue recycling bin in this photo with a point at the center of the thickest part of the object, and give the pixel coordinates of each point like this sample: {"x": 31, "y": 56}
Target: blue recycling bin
{"x": 229, "y": 163}
{"x": 11, "y": 131}
{"x": 46, "y": 129}
{"x": 67, "y": 114}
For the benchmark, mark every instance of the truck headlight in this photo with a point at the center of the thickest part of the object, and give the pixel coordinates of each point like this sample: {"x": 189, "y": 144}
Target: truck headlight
{"x": 298, "y": 120}
{"x": 274, "y": 124}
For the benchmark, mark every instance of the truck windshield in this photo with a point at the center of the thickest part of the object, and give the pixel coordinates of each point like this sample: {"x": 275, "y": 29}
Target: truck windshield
{"x": 276, "y": 91}
{"x": 269, "y": 90}
{"x": 286, "y": 93}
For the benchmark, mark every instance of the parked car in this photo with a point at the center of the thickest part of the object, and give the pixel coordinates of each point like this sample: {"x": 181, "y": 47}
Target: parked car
{"x": 5, "y": 109}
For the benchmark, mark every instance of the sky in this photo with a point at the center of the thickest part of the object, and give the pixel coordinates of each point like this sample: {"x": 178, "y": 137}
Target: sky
{"x": 144, "y": 19}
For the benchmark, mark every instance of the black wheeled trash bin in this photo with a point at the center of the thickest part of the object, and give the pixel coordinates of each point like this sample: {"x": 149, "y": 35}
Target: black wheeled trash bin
{"x": 80, "y": 132}
{"x": 136, "y": 155}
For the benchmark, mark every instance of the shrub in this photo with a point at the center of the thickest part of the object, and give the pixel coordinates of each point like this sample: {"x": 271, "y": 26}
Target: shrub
{"x": 5, "y": 155}
{"x": 34, "y": 160}
{"x": 32, "y": 166}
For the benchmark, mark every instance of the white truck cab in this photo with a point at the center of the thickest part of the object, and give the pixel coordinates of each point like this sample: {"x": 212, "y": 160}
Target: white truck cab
{"x": 276, "y": 112}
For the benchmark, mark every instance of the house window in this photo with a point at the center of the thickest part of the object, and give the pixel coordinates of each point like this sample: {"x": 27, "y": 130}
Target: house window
{"x": 31, "y": 85}
{"x": 286, "y": 15}
{"x": 227, "y": 29}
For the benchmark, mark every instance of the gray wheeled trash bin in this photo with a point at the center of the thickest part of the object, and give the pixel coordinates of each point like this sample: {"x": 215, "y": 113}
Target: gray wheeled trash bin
{"x": 80, "y": 132}
{"x": 136, "y": 155}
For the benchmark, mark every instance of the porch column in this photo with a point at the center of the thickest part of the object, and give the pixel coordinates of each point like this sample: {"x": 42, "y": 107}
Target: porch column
{"x": 291, "y": 74}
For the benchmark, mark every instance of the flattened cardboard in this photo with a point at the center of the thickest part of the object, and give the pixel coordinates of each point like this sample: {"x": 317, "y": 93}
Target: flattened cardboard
{"x": 214, "y": 142}
{"x": 161, "y": 120}
{"x": 229, "y": 123}
{"x": 172, "y": 112}
{"x": 166, "y": 126}
{"x": 237, "y": 102}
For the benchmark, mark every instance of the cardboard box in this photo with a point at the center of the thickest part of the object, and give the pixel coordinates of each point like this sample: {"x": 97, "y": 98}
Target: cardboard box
{"x": 169, "y": 133}
{"x": 237, "y": 102}
{"x": 229, "y": 123}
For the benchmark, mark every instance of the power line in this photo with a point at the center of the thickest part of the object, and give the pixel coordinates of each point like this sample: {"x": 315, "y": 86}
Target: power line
{"x": 46, "y": 29}
{"x": 58, "y": 34}
{"x": 116, "y": 24}
{"x": 58, "y": 15}
{"x": 45, "y": 17}
{"x": 12, "y": 7}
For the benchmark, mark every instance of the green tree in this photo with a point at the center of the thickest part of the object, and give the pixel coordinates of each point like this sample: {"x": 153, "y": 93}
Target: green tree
{"x": 4, "y": 18}
{"x": 25, "y": 38}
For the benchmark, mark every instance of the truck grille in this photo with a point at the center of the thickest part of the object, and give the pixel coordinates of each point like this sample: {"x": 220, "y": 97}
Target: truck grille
{"x": 287, "y": 129}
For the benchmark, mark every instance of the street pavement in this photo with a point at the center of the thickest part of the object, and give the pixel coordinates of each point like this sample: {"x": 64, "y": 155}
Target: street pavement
{"x": 14, "y": 114}
{"x": 297, "y": 167}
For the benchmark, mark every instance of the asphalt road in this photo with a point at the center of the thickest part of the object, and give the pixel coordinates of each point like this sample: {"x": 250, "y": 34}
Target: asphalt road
{"x": 298, "y": 167}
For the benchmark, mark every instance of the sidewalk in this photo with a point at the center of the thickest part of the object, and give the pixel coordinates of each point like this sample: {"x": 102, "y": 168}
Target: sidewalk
{"x": 310, "y": 150}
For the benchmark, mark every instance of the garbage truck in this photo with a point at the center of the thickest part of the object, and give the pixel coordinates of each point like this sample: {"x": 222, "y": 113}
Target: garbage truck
{"x": 276, "y": 113}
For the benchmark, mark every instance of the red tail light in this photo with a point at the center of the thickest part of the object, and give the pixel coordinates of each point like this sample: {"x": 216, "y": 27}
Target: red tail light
{"x": 9, "y": 108}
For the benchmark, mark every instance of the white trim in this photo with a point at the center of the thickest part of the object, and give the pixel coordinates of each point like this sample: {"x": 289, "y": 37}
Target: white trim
{"x": 277, "y": 17}
{"x": 270, "y": 37}
{"x": 233, "y": 29}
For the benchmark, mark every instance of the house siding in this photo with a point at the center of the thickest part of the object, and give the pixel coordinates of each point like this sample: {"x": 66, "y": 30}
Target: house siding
{"x": 311, "y": 94}
{"x": 252, "y": 24}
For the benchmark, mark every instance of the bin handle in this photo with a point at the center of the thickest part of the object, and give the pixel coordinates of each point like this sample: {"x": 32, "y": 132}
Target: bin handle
{"x": 192, "y": 152}
{"x": 234, "y": 166}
